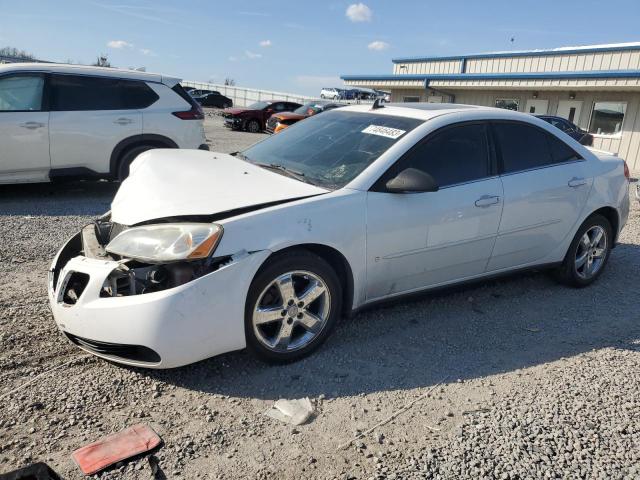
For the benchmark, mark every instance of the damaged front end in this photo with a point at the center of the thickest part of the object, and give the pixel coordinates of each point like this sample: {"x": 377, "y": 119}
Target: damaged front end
{"x": 130, "y": 276}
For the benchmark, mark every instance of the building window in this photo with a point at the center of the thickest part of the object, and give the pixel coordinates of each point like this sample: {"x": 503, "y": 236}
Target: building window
{"x": 607, "y": 118}
{"x": 508, "y": 103}
{"x": 410, "y": 99}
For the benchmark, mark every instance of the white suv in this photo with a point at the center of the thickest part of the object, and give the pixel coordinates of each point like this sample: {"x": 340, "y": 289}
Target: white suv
{"x": 332, "y": 93}
{"x": 74, "y": 121}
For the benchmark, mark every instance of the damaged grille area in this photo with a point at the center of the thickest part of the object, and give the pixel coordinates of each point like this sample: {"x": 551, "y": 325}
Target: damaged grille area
{"x": 75, "y": 284}
{"x": 137, "y": 353}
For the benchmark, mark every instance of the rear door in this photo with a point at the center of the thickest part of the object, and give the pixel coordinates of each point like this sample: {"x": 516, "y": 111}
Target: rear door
{"x": 24, "y": 128}
{"x": 90, "y": 115}
{"x": 546, "y": 185}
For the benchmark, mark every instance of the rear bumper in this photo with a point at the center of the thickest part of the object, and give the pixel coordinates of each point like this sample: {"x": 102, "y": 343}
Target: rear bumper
{"x": 164, "y": 329}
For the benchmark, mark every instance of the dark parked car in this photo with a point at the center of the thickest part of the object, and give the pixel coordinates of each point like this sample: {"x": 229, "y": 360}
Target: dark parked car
{"x": 575, "y": 132}
{"x": 254, "y": 117}
{"x": 213, "y": 99}
{"x": 280, "y": 121}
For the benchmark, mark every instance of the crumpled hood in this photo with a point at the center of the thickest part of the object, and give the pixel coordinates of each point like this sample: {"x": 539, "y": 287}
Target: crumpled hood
{"x": 236, "y": 111}
{"x": 169, "y": 182}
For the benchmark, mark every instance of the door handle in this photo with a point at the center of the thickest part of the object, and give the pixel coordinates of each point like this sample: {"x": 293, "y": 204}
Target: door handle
{"x": 487, "y": 201}
{"x": 32, "y": 125}
{"x": 123, "y": 121}
{"x": 576, "y": 182}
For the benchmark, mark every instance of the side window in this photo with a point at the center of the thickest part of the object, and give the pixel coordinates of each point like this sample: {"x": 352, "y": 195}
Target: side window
{"x": 21, "y": 93}
{"x": 560, "y": 151}
{"x": 278, "y": 107}
{"x": 522, "y": 146}
{"x": 82, "y": 93}
{"x": 456, "y": 155}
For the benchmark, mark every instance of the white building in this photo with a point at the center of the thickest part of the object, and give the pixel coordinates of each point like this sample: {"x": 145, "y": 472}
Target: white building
{"x": 596, "y": 87}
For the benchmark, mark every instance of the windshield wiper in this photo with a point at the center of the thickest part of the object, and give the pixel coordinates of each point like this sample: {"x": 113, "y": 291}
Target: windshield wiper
{"x": 240, "y": 155}
{"x": 287, "y": 171}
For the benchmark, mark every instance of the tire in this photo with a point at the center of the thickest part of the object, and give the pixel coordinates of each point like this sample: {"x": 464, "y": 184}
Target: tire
{"x": 289, "y": 329}
{"x": 253, "y": 126}
{"x": 322, "y": 96}
{"x": 128, "y": 158}
{"x": 585, "y": 261}
{"x": 226, "y": 105}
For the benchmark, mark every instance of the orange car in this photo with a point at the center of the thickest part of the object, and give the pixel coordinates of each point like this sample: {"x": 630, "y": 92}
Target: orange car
{"x": 279, "y": 121}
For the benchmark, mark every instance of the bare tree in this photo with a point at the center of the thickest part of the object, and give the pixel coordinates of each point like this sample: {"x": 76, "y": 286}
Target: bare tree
{"x": 229, "y": 81}
{"x": 102, "y": 61}
{"x": 14, "y": 52}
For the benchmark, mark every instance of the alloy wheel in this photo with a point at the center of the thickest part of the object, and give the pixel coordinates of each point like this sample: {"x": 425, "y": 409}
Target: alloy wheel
{"x": 591, "y": 252}
{"x": 291, "y": 311}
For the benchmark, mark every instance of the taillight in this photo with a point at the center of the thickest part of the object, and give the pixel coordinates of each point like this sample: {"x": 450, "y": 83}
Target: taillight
{"x": 626, "y": 170}
{"x": 195, "y": 113}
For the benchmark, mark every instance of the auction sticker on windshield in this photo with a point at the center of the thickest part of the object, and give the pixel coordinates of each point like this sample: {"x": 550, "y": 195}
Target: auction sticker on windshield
{"x": 384, "y": 131}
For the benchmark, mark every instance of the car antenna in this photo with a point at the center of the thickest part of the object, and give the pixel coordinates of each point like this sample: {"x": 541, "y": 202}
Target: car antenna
{"x": 377, "y": 104}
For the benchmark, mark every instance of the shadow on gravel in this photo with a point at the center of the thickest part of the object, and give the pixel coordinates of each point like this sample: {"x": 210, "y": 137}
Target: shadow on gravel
{"x": 495, "y": 327}
{"x": 57, "y": 199}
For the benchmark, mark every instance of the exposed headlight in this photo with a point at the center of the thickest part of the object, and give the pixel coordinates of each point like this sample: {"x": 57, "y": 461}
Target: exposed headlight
{"x": 167, "y": 242}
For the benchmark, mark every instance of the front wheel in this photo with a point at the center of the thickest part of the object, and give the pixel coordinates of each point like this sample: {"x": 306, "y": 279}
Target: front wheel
{"x": 292, "y": 306}
{"x": 253, "y": 126}
{"x": 127, "y": 160}
{"x": 588, "y": 253}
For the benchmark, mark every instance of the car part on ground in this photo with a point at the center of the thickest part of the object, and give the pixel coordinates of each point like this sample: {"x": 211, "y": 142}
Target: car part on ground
{"x": 502, "y": 191}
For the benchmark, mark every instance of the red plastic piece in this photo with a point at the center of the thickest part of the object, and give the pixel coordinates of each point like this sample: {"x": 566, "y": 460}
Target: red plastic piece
{"x": 113, "y": 448}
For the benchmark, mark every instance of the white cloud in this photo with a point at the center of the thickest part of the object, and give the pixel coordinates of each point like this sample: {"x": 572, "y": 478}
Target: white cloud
{"x": 378, "y": 45}
{"x": 233, "y": 59}
{"x": 149, "y": 53}
{"x": 251, "y": 55}
{"x": 265, "y": 43}
{"x": 359, "y": 12}
{"x": 119, "y": 44}
{"x": 254, "y": 14}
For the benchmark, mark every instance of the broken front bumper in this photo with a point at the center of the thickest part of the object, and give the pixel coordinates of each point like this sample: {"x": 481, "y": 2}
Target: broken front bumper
{"x": 164, "y": 329}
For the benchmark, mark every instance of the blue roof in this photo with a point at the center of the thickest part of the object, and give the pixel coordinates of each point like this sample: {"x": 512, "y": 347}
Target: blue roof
{"x": 525, "y": 53}
{"x": 501, "y": 76}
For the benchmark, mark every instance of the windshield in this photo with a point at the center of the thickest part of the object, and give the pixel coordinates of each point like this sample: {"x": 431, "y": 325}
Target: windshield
{"x": 258, "y": 105}
{"x": 331, "y": 149}
{"x": 308, "y": 109}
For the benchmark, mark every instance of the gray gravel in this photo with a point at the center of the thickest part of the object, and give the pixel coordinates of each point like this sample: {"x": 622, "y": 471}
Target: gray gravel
{"x": 541, "y": 380}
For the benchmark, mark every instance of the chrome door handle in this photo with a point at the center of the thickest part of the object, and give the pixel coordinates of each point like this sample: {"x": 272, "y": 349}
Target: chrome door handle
{"x": 487, "y": 201}
{"x": 32, "y": 125}
{"x": 123, "y": 121}
{"x": 576, "y": 182}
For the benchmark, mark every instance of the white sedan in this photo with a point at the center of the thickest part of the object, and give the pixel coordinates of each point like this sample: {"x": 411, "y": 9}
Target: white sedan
{"x": 203, "y": 253}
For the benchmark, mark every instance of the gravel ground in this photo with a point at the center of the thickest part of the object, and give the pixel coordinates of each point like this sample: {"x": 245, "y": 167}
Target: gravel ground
{"x": 515, "y": 378}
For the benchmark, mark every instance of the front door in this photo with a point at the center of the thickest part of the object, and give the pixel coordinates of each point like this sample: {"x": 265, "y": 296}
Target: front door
{"x": 546, "y": 185}
{"x": 570, "y": 109}
{"x": 537, "y": 107}
{"x": 24, "y": 129}
{"x": 418, "y": 240}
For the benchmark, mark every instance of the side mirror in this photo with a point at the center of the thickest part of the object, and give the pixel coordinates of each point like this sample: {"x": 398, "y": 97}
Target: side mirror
{"x": 412, "y": 180}
{"x": 587, "y": 140}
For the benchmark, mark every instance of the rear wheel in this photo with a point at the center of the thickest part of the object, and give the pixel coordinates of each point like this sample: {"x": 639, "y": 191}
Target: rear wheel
{"x": 128, "y": 158}
{"x": 292, "y": 306}
{"x": 588, "y": 253}
{"x": 253, "y": 126}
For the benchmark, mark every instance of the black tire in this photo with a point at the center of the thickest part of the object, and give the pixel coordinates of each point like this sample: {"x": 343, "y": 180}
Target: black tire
{"x": 226, "y": 105}
{"x": 569, "y": 273}
{"x": 322, "y": 96}
{"x": 263, "y": 287}
{"x": 253, "y": 126}
{"x": 128, "y": 157}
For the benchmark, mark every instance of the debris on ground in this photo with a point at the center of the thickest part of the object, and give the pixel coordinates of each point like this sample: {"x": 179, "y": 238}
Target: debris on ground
{"x": 114, "y": 448}
{"x": 295, "y": 412}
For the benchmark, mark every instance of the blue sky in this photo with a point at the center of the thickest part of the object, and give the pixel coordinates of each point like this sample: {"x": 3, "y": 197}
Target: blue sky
{"x": 297, "y": 45}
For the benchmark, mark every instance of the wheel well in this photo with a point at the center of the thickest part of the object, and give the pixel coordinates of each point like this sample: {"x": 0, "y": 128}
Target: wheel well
{"x": 612, "y": 215}
{"x": 337, "y": 261}
{"x": 121, "y": 149}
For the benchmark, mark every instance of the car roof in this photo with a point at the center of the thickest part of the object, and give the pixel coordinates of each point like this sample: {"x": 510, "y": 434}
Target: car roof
{"x": 421, "y": 111}
{"x": 89, "y": 70}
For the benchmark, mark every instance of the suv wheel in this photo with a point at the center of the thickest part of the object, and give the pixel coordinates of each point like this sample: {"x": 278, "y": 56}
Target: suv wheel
{"x": 128, "y": 158}
{"x": 292, "y": 306}
{"x": 253, "y": 126}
